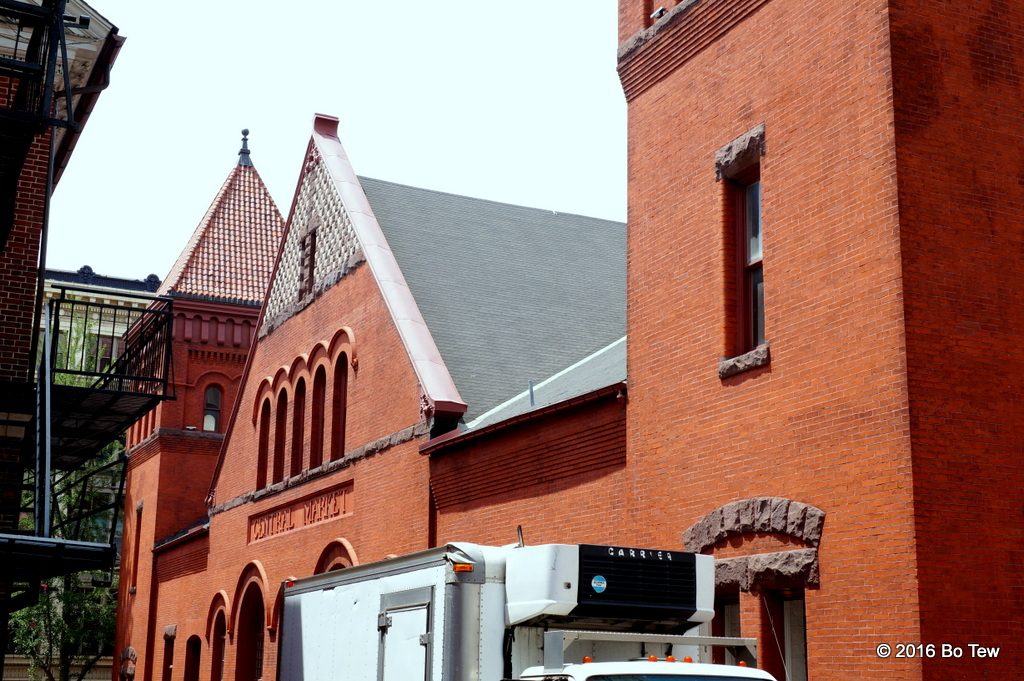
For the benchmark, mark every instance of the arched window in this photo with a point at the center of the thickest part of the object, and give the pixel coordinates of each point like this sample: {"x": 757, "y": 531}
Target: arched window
{"x": 280, "y": 435}
{"x": 298, "y": 423}
{"x": 316, "y": 436}
{"x": 264, "y": 444}
{"x": 211, "y": 409}
{"x": 220, "y": 633}
{"x": 249, "y": 655}
{"x": 339, "y": 407}
{"x": 193, "y": 646}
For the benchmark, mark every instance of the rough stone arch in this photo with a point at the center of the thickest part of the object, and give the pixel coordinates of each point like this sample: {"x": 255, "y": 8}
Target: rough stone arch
{"x": 761, "y": 515}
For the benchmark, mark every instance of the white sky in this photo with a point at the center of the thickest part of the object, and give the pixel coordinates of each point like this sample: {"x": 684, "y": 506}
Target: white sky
{"x": 516, "y": 102}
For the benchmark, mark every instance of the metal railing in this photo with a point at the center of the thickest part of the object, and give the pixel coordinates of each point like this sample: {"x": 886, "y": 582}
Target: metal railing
{"x": 110, "y": 347}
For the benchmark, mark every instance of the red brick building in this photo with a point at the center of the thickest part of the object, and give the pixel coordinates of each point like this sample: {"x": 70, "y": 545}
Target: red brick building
{"x": 823, "y": 319}
{"x": 394, "y": 315}
{"x": 217, "y": 285}
{"x": 828, "y": 196}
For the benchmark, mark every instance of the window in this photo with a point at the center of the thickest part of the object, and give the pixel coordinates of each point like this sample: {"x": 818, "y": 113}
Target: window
{"x": 796, "y": 635}
{"x": 264, "y": 444}
{"x": 340, "y": 408}
{"x": 193, "y": 648}
{"x": 316, "y": 425}
{"x": 749, "y": 272}
{"x": 211, "y": 409}
{"x": 280, "y": 435}
{"x": 785, "y": 652}
{"x": 298, "y": 423}
{"x": 307, "y": 258}
{"x": 168, "y": 657}
{"x": 738, "y": 165}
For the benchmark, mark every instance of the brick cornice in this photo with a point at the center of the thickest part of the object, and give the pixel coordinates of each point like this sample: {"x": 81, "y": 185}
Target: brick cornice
{"x": 653, "y": 53}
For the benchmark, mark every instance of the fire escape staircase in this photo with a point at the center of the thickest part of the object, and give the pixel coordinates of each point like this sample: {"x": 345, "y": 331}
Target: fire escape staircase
{"x": 33, "y": 49}
{"x": 103, "y": 366}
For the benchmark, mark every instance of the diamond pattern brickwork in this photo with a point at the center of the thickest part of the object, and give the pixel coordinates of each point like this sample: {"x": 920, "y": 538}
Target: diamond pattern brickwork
{"x": 337, "y": 247}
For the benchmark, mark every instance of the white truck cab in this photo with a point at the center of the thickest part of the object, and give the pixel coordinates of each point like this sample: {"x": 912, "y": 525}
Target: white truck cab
{"x": 645, "y": 671}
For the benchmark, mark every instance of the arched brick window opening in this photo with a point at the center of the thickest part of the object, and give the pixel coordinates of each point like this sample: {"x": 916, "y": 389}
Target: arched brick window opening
{"x": 217, "y": 647}
{"x": 316, "y": 436}
{"x": 249, "y": 636}
{"x": 212, "y": 399}
{"x": 338, "y": 555}
{"x": 264, "y": 444}
{"x": 298, "y": 424}
{"x": 339, "y": 407}
{"x": 193, "y": 647}
{"x": 280, "y": 435}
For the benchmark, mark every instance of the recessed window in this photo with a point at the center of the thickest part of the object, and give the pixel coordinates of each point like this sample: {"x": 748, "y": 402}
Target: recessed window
{"x": 339, "y": 409}
{"x": 211, "y": 409}
{"x": 307, "y": 258}
{"x": 264, "y": 445}
{"x": 280, "y": 436}
{"x": 298, "y": 423}
{"x": 316, "y": 422}
{"x": 746, "y": 194}
{"x": 738, "y": 166}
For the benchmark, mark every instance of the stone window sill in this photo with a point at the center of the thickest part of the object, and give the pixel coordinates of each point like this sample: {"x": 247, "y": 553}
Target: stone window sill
{"x": 756, "y": 358}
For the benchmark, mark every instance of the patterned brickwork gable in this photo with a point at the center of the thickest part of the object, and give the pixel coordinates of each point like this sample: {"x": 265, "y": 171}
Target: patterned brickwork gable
{"x": 317, "y": 206}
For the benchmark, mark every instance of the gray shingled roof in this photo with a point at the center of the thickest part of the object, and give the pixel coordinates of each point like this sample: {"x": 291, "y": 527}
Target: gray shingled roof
{"x": 510, "y": 294}
{"x": 605, "y": 367}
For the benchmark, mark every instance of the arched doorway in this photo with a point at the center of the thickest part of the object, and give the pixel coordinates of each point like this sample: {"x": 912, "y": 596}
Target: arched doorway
{"x": 193, "y": 647}
{"x": 250, "y": 635}
{"x": 220, "y": 632}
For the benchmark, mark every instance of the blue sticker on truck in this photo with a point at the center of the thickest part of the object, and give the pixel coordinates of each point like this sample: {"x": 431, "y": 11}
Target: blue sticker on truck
{"x": 599, "y": 584}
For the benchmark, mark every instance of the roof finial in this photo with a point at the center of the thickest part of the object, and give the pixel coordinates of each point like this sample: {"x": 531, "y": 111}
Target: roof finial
{"x": 243, "y": 153}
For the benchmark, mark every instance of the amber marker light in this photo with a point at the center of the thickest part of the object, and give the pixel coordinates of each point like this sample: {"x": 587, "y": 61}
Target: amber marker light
{"x": 687, "y": 659}
{"x": 587, "y": 659}
{"x": 670, "y": 658}
{"x": 741, "y": 663}
{"x": 463, "y": 567}
{"x": 652, "y": 658}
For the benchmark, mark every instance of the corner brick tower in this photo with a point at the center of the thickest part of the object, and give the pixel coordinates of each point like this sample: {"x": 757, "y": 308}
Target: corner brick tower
{"x": 826, "y": 308}
{"x": 218, "y": 284}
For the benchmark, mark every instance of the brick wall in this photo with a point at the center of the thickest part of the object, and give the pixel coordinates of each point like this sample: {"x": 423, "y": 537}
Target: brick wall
{"x": 19, "y": 263}
{"x": 827, "y": 421}
{"x": 957, "y": 78}
{"x": 559, "y": 476}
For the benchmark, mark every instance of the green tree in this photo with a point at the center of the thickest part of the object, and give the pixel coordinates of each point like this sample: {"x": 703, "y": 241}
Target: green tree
{"x": 68, "y": 630}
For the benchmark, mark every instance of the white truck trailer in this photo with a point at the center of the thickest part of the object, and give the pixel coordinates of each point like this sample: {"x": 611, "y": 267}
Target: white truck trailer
{"x": 465, "y": 612}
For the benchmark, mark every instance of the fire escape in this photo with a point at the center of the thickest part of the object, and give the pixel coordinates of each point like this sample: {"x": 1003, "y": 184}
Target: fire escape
{"x": 101, "y": 366}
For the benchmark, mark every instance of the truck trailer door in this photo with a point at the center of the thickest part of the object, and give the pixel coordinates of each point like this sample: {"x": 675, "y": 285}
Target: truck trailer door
{"x": 405, "y": 635}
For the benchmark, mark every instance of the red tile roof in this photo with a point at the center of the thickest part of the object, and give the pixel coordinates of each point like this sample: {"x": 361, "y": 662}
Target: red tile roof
{"x": 231, "y": 254}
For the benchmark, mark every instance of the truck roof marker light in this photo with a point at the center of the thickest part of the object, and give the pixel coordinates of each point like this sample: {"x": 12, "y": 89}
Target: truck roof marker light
{"x": 741, "y": 663}
{"x": 652, "y": 658}
{"x": 687, "y": 659}
{"x": 462, "y": 567}
{"x": 289, "y": 582}
{"x": 587, "y": 659}
{"x": 670, "y": 658}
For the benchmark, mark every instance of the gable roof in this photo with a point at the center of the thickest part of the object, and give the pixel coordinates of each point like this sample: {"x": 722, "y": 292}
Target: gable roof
{"x": 231, "y": 253}
{"x": 510, "y": 294}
